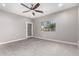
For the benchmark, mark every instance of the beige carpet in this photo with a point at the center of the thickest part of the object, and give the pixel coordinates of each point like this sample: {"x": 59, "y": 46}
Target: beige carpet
{"x": 38, "y": 47}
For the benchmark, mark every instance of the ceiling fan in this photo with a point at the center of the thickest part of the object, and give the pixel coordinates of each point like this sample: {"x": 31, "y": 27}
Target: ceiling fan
{"x": 33, "y": 8}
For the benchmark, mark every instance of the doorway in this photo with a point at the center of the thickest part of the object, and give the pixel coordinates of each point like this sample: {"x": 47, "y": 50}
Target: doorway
{"x": 29, "y": 29}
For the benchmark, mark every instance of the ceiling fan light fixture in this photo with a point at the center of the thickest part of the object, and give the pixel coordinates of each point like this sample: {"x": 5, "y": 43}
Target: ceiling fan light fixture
{"x": 33, "y": 8}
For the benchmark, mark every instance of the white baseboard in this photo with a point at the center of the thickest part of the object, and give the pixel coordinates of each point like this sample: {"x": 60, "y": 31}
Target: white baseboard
{"x": 66, "y": 42}
{"x": 30, "y": 36}
{"x": 42, "y": 38}
{"x": 15, "y": 40}
{"x": 12, "y": 41}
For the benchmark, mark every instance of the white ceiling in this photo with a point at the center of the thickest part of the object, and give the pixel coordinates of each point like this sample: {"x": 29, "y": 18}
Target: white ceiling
{"x": 47, "y": 8}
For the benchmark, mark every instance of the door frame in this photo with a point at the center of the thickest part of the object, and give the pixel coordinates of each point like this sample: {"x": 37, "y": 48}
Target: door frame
{"x": 27, "y": 29}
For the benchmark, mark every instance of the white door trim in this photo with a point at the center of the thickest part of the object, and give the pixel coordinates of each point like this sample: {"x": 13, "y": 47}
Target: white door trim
{"x": 27, "y": 29}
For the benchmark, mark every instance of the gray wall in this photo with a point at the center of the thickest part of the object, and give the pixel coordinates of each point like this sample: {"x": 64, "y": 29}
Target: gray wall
{"x": 78, "y": 23}
{"x": 12, "y": 27}
{"x": 66, "y": 26}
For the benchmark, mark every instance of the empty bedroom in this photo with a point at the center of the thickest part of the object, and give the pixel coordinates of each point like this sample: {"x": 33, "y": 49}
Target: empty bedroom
{"x": 39, "y": 29}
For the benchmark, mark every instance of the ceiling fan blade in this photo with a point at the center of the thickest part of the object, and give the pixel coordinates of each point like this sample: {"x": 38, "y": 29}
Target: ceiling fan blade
{"x": 25, "y": 6}
{"x": 26, "y": 11}
{"x": 33, "y": 13}
{"x": 39, "y": 11}
{"x": 36, "y": 6}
